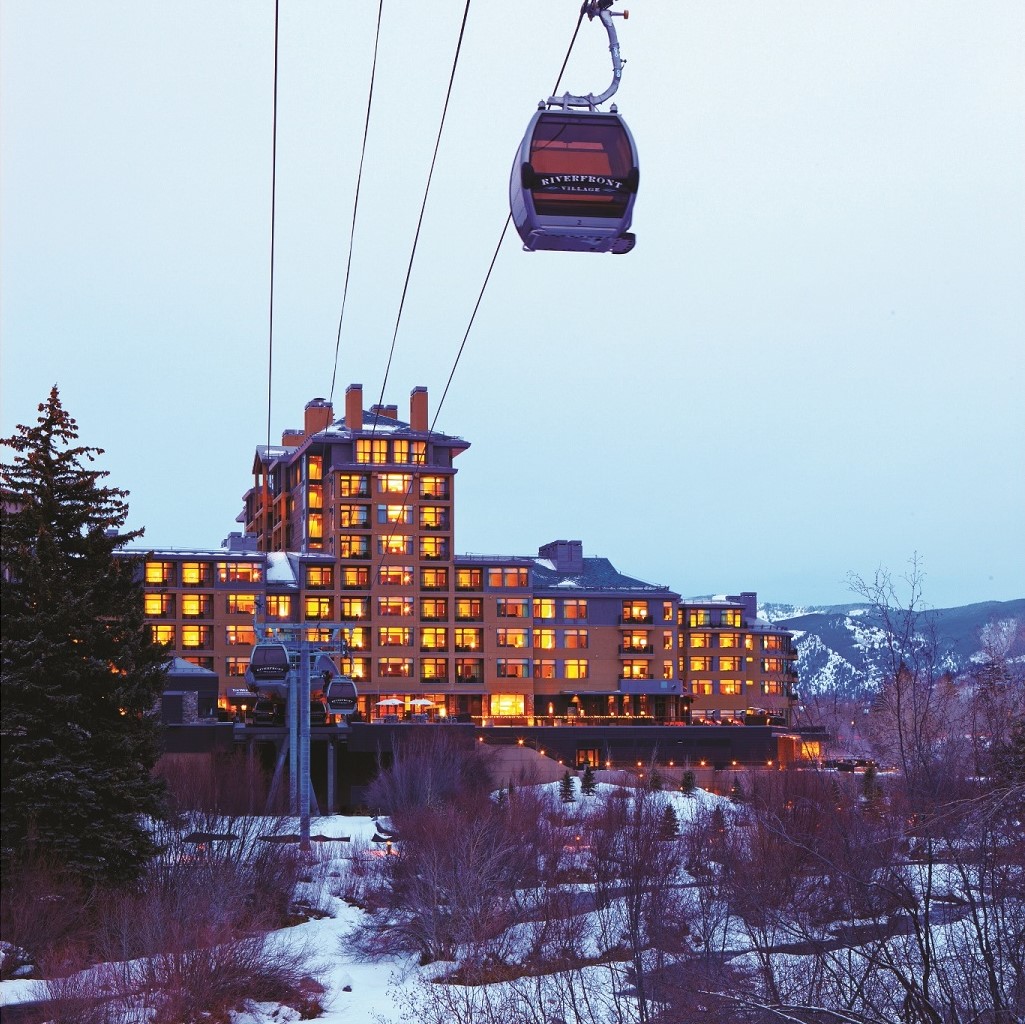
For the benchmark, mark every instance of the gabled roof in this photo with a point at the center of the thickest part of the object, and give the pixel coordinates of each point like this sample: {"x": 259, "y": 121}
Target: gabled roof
{"x": 597, "y": 574}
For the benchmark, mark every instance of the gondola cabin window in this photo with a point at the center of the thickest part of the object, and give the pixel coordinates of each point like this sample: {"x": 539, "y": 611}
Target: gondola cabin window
{"x": 581, "y": 165}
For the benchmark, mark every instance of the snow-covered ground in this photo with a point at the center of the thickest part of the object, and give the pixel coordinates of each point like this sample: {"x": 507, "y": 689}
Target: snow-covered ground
{"x": 355, "y": 991}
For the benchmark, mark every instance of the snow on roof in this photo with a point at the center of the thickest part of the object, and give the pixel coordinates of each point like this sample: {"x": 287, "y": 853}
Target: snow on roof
{"x": 279, "y": 568}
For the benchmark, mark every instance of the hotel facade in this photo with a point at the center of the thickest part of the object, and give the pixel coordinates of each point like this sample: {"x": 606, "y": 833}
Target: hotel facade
{"x": 350, "y": 524}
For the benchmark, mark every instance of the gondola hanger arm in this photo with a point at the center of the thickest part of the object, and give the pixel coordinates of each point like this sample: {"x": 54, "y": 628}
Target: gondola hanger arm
{"x": 600, "y": 9}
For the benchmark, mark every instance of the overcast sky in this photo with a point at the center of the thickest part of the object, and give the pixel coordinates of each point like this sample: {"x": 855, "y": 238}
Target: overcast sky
{"x": 811, "y": 364}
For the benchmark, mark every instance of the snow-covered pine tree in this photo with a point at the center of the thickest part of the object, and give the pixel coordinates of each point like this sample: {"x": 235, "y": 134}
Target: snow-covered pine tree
{"x": 80, "y": 673}
{"x": 566, "y": 789}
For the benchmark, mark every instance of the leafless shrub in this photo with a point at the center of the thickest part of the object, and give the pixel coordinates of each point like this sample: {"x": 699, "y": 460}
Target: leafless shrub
{"x": 45, "y": 912}
{"x": 229, "y": 784}
{"x": 430, "y": 768}
{"x": 191, "y": 984}
{"x": 79, "y": 997}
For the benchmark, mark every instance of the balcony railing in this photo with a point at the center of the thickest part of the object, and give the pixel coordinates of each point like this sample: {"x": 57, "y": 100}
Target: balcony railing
{"x": 636, "y": 620}
{"x": 636, "y": 649}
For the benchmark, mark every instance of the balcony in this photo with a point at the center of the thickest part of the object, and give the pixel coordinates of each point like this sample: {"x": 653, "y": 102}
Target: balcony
{"x": 636, "y": 649}
{"x": 468, "y": 680}
{"x": 636, "y": 620}
{"x": 434, "y": 680}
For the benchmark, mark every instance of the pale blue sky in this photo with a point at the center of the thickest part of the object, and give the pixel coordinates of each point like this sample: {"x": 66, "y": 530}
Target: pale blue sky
{"x": 811, "y": 364}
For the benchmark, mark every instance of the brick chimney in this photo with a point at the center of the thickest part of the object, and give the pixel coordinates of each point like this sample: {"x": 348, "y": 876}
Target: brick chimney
{"x": 566, "y": 555}
{"x": 418, "y": 409}
{"x": 354, "y": 407}
{"x": 386, "y": 412}
{"x": 319, "y": 414}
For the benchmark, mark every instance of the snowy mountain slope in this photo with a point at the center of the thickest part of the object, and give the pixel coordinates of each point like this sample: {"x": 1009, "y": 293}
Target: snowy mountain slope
{"x": 843, "y": 647}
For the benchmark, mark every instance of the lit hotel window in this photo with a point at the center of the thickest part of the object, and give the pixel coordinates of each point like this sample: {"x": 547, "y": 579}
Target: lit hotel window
{"x": 574, "y": 609}
{"x": 510, "y": 608}
{"x": 239, "y": 572}
{"x": 354, "y": 608}
{"x": 393, "y": 483}
{"x": 353, "y": 515}
{"x": 544, "y": 607}
{"x": 394, "y": 636}
{"x": 402, "y": 514}
{"x": 371, "y": 450}
{"x": 317, "y": 608}
{"x": 515, "y": 577}
{"x": 159, "y": 573}
{"x": 504, "y": 704}
{"x": 434, "y": 638}
{"x": 469, "y": 609}
{"x": 352, "y": 485}
{"x": 391, "y": 606}
{"x": 197, "y": 636}
{"x": 395, "y": 575}
{"x": 279, "y": 606}
{"x": 433, "y": 579}
{"x": 512, "y": 668}
{"x": 433, "y": 548}
{"x": 157, "y": 606}
{"x": 544, "y": 639}
{"x": 395, "y": 544}
{"x": 469, "y": 579}
{"x": 392, "y": 667}
{"x": 356, "y": 578}
{"x": 196, "y": 574}
{"x": 241, "y": 604}
{"x": 434, "y": 487}
{"x": 434, "y": 670}
{"x": 320, "y": 577}
{"x": 511, "y": 637}
{"x": 162, "y": 634}
{"x": 574, "y": 638}
{"x": 576, "y": 669}
{"x": 468, "y": 639}
{"x": 195, "y": 606}
{"x": 433, "y": 518}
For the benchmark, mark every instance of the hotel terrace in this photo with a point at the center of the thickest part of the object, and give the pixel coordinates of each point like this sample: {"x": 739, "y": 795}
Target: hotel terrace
{"x": 352, "y": 522}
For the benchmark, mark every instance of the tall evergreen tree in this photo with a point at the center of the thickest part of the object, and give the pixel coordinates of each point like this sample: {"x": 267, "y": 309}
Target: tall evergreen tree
{"x": 80, "y": 673}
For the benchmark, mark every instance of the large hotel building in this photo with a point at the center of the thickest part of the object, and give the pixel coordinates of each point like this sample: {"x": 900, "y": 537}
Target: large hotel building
{"x": 352, "y": 521}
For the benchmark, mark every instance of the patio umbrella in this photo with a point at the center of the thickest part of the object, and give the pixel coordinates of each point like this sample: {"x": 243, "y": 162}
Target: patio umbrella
{"x": 389, "y": 702}
{"x": 420, "y": 702}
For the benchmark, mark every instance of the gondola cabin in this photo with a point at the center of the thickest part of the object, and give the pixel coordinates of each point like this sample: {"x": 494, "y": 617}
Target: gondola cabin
{"x": 341, "y": 695}
{"x": 574, "y": 182}
{"x": 269, "y": 663}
